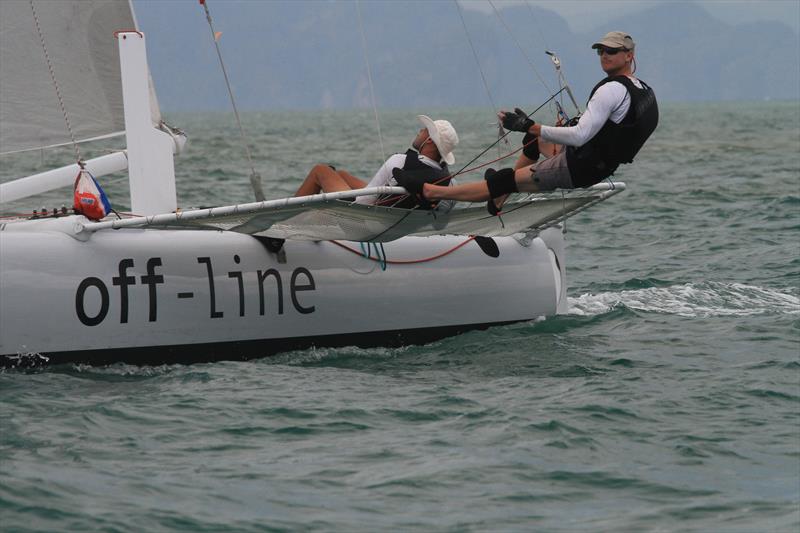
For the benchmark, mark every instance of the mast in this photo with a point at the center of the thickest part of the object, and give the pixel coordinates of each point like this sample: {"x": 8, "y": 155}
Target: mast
{"x": 151, "y": 170}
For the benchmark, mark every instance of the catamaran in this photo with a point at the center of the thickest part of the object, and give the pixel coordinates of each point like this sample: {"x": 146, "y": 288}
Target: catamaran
{"x": 165, "y": 285}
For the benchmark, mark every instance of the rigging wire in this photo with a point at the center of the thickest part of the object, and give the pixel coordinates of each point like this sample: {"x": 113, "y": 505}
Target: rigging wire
{"x": 391, "y": 201}
{"x": 521, "y": 49}
{"x": 552, "y": 96}
{"x": 396, "y": 199}
{"x": 78, "y": 157}
{"x": 255, "y": 177}
{"x": 562, "y": 81}
{"x": 480, "y": 69}
{"x": 502, "y": 136}
{"x": 538, "y": 26}
{"x": 475, "y": 55}
{"x": 464, "y": 169}
{"x": 369, "y": 77}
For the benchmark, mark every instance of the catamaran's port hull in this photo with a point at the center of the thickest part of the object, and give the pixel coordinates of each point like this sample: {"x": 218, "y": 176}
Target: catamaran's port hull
{"x": 152, "y": 296}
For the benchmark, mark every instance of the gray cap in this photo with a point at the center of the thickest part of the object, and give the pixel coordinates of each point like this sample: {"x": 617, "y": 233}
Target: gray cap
{"x": 616, "y": 39}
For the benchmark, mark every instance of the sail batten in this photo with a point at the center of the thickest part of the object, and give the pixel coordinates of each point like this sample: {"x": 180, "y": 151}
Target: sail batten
{"x": 79, "y": 39}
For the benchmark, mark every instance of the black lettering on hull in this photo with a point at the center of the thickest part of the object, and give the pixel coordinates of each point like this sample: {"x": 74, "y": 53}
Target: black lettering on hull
{"x": 80, "y": 297}
{"x": 212, "y": 295}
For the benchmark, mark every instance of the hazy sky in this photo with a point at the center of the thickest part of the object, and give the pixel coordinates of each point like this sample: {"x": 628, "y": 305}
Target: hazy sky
{"x": 586, "y": 14}
{"x": 297, "y": 55}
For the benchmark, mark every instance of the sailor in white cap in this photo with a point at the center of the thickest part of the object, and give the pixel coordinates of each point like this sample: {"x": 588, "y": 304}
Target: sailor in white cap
{"x": 621, "y": 114}
{"x": 430, "y": 154}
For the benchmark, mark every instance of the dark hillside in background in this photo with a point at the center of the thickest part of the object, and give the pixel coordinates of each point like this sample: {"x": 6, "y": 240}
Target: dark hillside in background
{"x": 309, "y": 55}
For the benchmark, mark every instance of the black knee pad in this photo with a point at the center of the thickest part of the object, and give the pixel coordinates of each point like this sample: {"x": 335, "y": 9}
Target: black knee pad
{"x": 530, "y": 147}
{"x": 500, "y": 182}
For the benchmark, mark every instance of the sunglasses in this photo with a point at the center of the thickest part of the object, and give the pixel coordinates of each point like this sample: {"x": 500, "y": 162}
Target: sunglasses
{"x": 609, "y": 51}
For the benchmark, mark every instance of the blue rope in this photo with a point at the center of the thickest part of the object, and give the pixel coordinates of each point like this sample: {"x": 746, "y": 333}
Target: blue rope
{"x": 383, "y": 253}
{"x": 380, "y": 253}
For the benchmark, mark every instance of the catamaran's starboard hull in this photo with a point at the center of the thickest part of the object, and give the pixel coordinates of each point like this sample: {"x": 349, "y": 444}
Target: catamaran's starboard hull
{"x": 150, "y": 296}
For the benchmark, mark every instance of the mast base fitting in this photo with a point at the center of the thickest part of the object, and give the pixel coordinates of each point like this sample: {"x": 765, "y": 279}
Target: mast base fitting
{"x": 500, "y": 182}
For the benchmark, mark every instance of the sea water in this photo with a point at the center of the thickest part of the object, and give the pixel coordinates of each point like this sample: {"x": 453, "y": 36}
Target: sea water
{"x": 666, "y": 399}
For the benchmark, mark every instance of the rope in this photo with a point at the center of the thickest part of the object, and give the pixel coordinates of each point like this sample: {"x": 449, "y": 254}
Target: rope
{"x": 78, "y": 157}
{"x": 369, "y": 77}
{"x": 552, "y": 96}
{"x": 255, "y": 178}
{"x": 385, "y": 261}
{"x": 367, "y": 254}
{"x": 464, "y": 169}
{"x": 501, "y": 137}
{"x": 391, "y": 202}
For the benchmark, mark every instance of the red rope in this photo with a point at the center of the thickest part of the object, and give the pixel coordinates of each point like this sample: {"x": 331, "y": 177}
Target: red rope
{"x": 395, "y": 200}
{"x": 402, "y": 261}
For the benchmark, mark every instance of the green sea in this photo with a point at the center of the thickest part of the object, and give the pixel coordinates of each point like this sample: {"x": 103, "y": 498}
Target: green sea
{"x": 666, "y": 399}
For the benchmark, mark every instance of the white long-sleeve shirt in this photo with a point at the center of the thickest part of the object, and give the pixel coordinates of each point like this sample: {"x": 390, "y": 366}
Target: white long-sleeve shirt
{"x": 384, "y": 174}
{"x": 610, "y": 101}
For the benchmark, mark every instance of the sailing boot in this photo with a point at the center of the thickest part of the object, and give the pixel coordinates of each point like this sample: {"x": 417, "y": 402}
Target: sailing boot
{"x": 500, "y": 183}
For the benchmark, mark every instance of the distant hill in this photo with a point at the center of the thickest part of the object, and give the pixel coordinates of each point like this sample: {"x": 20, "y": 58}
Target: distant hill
{"x": 309, "y": 55}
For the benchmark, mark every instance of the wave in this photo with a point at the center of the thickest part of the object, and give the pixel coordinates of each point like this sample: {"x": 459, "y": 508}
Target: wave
{"x": 706, "y": 299}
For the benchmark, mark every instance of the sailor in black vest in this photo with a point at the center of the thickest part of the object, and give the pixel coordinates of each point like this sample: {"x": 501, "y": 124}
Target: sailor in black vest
{"x": 430, "y": 155}
{"x": 621, "y": 114}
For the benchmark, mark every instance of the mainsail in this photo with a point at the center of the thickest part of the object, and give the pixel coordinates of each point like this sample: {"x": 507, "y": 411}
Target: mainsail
{"x": 79, "y": 40}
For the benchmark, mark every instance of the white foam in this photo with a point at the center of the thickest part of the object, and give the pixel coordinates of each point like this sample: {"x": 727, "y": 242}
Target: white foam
{"x": 690, "y": 300}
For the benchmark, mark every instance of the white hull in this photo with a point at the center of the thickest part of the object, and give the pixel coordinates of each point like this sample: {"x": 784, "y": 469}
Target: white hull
{"x": 146, "y": 296}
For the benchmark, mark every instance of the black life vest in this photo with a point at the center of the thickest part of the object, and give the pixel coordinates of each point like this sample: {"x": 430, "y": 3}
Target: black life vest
{"x": 441, "y": 176}
{"x": 615, "y": 144}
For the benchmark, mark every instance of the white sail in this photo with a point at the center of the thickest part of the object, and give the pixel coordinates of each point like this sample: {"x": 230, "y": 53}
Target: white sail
{"x": 79, "y": 40}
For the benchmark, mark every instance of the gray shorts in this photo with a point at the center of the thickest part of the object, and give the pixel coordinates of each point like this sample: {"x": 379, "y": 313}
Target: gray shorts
{"x": 552, "y": 173}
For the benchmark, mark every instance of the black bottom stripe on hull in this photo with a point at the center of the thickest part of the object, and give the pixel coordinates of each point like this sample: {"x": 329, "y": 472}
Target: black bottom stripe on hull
{"x": 237, "y": 350}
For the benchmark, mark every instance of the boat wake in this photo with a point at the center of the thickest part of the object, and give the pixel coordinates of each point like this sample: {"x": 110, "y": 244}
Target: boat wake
{"x": 27, "y": 360}
{"x": 706, "y": 299}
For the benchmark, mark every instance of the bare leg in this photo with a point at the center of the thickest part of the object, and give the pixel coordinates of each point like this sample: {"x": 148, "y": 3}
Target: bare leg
{"x": 547, "y": 149}
{"x": 352, "y": 181}
{"x": 524, "y": 179}
{"x": 323, "y": 178}
{"x": 523, "y": 161}
{"x": 478, "y": 191}
{"x": 468, "y": 192}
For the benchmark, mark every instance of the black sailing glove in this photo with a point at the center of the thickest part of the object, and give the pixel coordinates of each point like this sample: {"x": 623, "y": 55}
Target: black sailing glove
{"x": 517, "y": 120}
